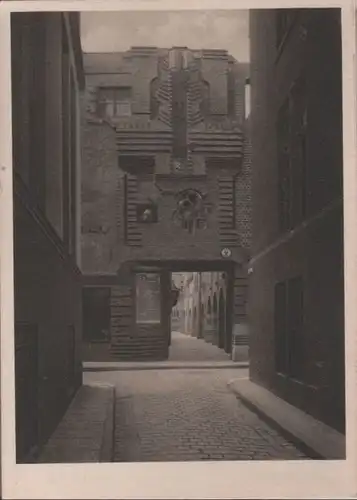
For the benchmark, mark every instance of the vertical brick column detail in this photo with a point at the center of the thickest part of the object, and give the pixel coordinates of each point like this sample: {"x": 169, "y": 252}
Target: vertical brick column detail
{"x": 243, "y": 196}
{"x": 240, "y": 289}
{"x": 121, "y": 315}
{"x": 227, "y": 233}
{"x": 133, "y": 231}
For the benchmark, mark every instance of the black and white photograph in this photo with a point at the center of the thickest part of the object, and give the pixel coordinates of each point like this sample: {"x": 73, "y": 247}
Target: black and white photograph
{"x": 178, "y": 237}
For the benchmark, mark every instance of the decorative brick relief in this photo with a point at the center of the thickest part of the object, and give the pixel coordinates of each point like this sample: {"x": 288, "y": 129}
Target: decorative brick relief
{"x": 133, "y": 236}
{"x": 243, "y": 196}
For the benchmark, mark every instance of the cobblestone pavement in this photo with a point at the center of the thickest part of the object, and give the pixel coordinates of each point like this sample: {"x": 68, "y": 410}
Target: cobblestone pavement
{"x": 187, "y": 348}
{"x": 188, "y": 415}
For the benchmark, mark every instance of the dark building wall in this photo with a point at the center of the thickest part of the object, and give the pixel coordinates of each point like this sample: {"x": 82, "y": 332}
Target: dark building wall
{"x": 46, "y": 79}
{"x": 310, "y": 246}
{"x": 140, "y": 159}
{"x": 47, "y": 298}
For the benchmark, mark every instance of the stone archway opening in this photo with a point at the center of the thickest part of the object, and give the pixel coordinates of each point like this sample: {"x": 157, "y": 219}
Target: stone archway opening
{"x": 202, "y": 302}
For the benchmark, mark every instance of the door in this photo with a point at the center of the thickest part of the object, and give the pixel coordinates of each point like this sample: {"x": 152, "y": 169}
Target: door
{"x": 26, "y": 386}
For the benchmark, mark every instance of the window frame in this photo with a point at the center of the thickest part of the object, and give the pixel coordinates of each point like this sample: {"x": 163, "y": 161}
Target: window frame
{"x": 115, "y": 101}
{"x": 292, "y": 157}
{"x": 289, "y": 325}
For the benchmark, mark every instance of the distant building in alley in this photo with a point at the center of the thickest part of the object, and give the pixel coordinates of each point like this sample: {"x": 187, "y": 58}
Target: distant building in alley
{"x": 296, "y": 291}
{"x": 47, "y": 76}
{"x": 165, "y": 189}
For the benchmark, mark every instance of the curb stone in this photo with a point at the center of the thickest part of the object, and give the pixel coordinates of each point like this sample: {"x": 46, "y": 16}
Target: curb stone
{"x": 107, "y": 448}
{"x": 85, "y": 433}
{"x": 313, "y": 437}
{"x": 112, "y": 367}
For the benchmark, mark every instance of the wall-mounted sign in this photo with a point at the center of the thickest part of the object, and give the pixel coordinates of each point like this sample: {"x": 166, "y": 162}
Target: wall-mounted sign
{"x": 226, "y": 253}
{"x": 148, "y": 298}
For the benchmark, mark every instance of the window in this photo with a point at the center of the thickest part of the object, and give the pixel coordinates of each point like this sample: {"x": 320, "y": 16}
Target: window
{"x": 289, "y": 319}
{"x": 292, "y": 157}
{"x": 114, "y": 102}
{"x": 154, "y": 102}
{"x": 96, "y": 314}
{"x": 299, "y": 150}
{"x": 280, "y": 328}
{"x": 205, "y": 102}
{"x": 125, "y": 207}
{"x": 146, "y": 213}
{"x": 72, "y": 188}
{"x": 295, "y": 323}
{"x": 283, "y": 143}
{"x": 284, "y": 21}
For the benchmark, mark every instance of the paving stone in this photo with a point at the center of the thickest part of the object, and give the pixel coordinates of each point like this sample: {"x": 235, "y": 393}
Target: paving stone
{"x": 184, "y": 415}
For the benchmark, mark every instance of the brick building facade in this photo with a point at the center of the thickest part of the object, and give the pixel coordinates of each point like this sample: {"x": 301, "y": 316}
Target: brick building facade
{"x": 47, "y": 75}
{"x": 163, "y": 162}
{"x": 296, "y": 285}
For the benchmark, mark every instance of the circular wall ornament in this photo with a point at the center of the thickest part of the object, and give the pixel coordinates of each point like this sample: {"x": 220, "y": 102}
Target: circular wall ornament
{"x": 226, "y": 253}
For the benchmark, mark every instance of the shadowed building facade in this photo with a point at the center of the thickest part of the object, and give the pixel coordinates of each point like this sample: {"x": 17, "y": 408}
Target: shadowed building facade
{"x": 165, "y": 188}
{"x": 296, "y": 285}
{"x": 47, "y": 76}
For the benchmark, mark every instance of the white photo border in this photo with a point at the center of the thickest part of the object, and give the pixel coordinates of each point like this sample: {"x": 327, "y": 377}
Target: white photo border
{"x": 191, "y": 480}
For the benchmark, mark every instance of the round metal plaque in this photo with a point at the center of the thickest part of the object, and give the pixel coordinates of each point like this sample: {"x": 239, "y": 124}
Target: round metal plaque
{"x": 226, "y": 253}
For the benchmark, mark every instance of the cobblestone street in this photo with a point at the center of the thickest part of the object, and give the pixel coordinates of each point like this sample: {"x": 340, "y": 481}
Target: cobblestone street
{"x": 179, "y": 415}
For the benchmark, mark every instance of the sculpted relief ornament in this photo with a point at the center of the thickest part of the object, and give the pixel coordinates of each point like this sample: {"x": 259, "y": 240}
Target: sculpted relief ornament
{"x": 191, "y": 211}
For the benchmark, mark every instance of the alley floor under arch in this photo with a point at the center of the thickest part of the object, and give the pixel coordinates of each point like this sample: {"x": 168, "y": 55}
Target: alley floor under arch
{"x": 186, "y": 348}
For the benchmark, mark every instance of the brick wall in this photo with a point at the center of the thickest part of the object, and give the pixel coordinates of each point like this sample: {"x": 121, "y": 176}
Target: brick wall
{"x": 108, "y": 241}
{"x": 102, "y": 210}
{"x": 103, "y": 231}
